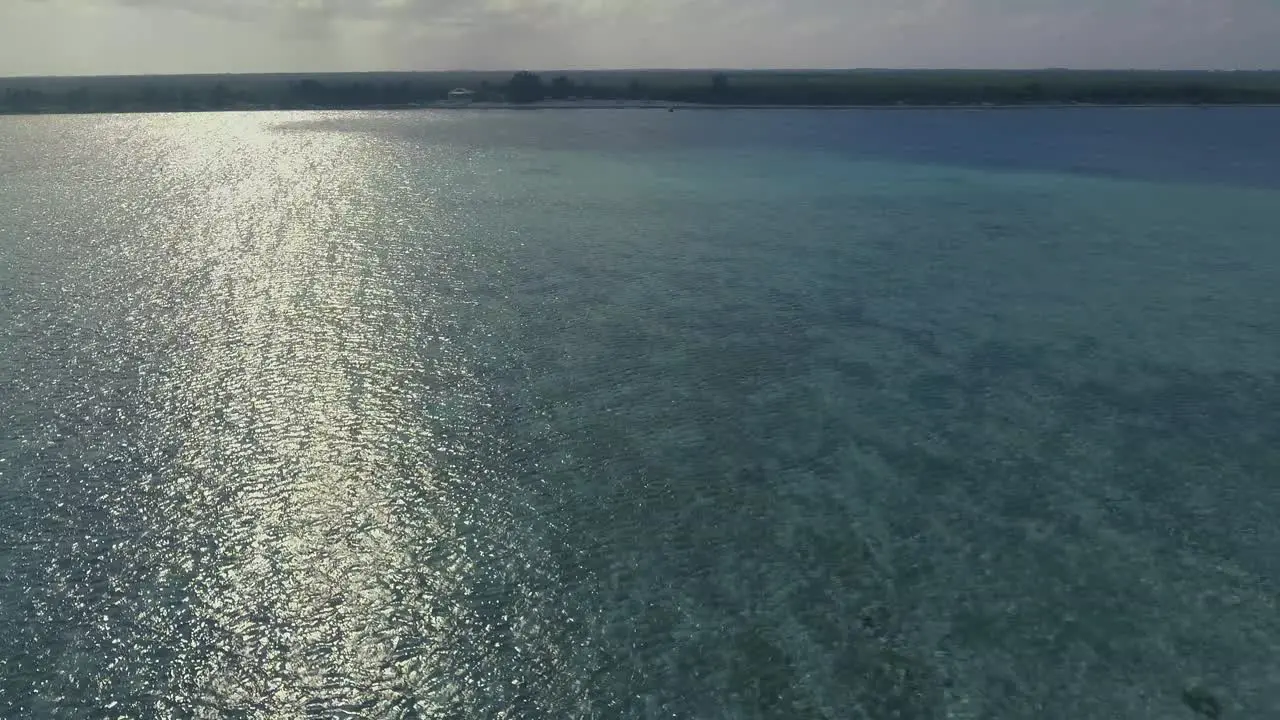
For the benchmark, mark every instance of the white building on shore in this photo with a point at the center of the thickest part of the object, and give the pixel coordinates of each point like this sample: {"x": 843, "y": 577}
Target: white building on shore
{"x": 461, "y": 96}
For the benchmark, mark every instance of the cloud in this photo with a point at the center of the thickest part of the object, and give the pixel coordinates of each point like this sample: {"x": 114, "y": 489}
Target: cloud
{"x": 418, "y": 12}
{"x": 221, "y": 35}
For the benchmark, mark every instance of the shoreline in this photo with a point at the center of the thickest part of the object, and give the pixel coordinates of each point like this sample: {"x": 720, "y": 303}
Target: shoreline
{"x": 690, "y": 89}
{"x": 655, "y": 105}
{"x": 659, "y": 105}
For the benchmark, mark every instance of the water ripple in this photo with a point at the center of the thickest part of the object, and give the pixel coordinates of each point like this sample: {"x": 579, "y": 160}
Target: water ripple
{"x": 456, "y": 415}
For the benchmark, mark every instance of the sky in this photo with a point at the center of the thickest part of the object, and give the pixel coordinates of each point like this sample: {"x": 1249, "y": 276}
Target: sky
{"x": 109, "y": 37}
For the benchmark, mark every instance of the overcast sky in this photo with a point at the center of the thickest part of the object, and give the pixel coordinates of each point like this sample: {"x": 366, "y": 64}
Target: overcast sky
{"x": 63, "y": 37}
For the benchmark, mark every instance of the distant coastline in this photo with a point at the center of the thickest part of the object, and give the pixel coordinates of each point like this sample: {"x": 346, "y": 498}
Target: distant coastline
{"x": 629, "y": 105}
{"x": 654, "y": 89}
{"x": 657, "y": 105}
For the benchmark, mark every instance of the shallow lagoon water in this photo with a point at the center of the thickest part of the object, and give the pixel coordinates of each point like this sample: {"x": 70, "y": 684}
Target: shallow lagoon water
{"x": 913, "y": 414}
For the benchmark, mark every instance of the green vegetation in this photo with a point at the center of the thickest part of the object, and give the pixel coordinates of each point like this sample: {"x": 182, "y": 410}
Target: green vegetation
{"x": 781, "y": 88}
{"x": 526, "y": 87}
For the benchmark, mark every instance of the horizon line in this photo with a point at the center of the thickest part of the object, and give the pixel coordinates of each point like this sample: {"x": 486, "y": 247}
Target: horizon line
{"x": 272, "y": 73}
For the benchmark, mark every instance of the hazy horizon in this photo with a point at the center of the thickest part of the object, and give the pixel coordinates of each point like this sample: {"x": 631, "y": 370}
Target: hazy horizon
{"x": 573, "y": 70}
{"x": 44, "y": 38}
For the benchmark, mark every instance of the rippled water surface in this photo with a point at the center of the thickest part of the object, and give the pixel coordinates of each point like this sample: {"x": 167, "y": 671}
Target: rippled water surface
{"x": 642, "y": 415}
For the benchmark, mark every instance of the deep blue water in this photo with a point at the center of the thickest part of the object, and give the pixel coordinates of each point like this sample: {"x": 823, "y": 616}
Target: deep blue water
{"x": 740, "y": 414}
{"x": 1233, "y": 146}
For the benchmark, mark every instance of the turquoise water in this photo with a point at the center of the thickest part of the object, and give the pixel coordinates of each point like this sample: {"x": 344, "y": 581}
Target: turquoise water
{"x": 644, "y": 415}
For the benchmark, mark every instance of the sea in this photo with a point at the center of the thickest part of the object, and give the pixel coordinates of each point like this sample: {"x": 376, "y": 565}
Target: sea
{"x": 895, "y": 414}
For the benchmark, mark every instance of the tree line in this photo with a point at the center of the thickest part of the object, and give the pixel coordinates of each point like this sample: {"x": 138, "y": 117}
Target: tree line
{"x": 525, "y": 87}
